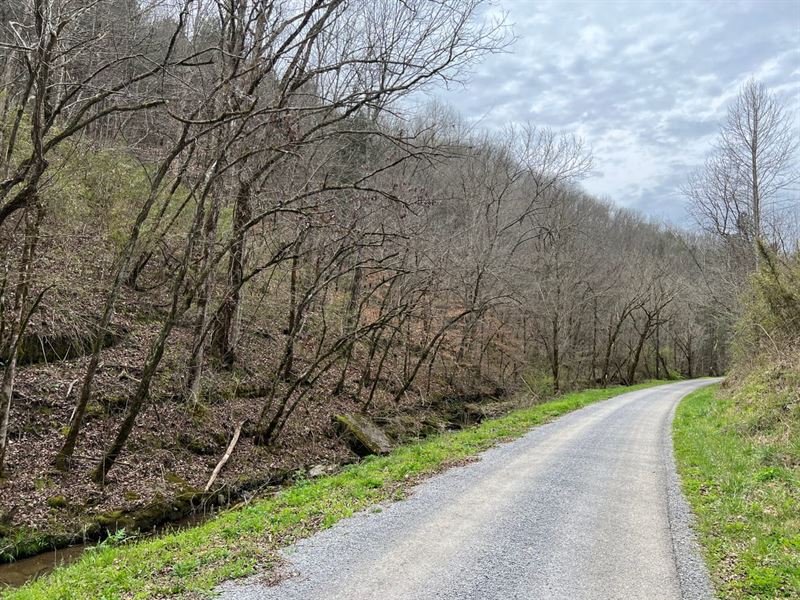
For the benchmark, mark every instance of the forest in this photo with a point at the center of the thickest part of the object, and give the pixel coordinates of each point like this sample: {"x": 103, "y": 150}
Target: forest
{"x": 234, "y": 220}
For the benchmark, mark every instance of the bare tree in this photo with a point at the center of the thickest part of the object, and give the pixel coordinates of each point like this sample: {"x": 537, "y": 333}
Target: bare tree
{"x": 745, "y": 186}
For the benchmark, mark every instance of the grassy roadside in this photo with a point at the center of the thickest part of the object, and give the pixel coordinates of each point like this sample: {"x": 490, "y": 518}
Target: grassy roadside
{"x": 741, "y": 475}
{"x": 244, "y": 540}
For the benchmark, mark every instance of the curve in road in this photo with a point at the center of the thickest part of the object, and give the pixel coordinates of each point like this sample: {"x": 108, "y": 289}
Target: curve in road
{"x": 586, "y": 507}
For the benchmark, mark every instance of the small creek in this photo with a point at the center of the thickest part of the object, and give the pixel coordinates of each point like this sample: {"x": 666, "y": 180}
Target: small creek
{"x": 24, "y": 570}
{"x": 21, "y": 571}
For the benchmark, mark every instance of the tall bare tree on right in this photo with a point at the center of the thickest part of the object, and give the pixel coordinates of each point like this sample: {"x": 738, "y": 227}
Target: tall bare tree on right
{"x": 743, "y": 191}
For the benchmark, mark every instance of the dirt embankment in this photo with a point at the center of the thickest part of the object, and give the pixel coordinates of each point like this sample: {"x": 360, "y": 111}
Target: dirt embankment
{"x": 161, "y": 476}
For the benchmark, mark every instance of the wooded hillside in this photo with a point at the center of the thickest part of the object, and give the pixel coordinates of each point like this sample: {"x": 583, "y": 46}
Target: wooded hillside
{"x": 231, "y": 214}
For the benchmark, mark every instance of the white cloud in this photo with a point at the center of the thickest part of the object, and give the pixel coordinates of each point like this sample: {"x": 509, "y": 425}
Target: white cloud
{"x": 593, "y": 41}
{"x": 644, "y": 83}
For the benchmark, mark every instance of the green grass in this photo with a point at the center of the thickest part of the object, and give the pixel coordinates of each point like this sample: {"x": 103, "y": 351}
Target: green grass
{"x": 245, "y": 540}
{"x": 741, "y": 474}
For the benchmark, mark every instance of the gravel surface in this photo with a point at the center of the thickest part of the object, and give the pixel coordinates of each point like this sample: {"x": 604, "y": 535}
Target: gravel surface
{"x": 586, "y": 507}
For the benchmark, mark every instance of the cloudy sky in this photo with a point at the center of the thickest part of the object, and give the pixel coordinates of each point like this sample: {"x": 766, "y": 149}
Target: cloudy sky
{"x": 644, "y": 83}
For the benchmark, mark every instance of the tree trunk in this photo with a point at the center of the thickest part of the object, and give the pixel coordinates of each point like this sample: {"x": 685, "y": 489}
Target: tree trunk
{"x": 226, "y": 333}
{"x": 658, "y": 348}
{"x": 66, "y": 451}
{"x": 555, "y": 354}
{"x": 22, "y": 313}
{"x": 634, "y": 364}
{"x": 195, "y": 373}
{"x": 756, "y": 195}
{"x": 136, "y": 402}
{"x": 181, "y": 302}
{"x": 594, "y": 341}
{"x": 288, "y": 361}
{"x": 352, "y": 317}
{"x": 409, "y": 377}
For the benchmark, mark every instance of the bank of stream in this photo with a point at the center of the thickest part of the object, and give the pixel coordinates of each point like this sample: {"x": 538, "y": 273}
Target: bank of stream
{"x": 19, "y": 572}
{"x": 194, "y": 508}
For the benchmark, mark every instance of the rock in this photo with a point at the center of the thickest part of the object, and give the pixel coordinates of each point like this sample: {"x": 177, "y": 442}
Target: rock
{"x": 365, "y": 437}
{"x": 473, "y": 413}
{"x": 207, "y": 445}
{"x": 432, "y": 425}
{"x": 51, "y": 347}
{"x": 400, "y": 427}
{"x": 317, "y": 471}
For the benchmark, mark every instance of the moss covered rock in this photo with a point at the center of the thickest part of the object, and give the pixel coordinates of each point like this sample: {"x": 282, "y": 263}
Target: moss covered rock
{"x": 363, "y": 435}
{"x": 39, "y": 347}
{"x": 57, "y": 502}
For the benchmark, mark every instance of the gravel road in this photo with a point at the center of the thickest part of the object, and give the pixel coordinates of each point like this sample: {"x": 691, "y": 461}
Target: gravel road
{"x": 585, "y": 507}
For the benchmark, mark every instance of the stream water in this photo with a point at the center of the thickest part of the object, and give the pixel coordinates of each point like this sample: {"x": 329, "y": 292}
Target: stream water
{"x": 24, "y": 570}
{"x": 21, "y": 571}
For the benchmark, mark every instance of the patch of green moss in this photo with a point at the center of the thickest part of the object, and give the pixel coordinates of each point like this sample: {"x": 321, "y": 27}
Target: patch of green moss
{"x": 57, "y": 502}
{"x": 114, "y": 401}
{"x": 41, "y": 483}
{"x": 115, "y": 519}
{"x": 95, "y": 410}
{"x": 176, "y": 479}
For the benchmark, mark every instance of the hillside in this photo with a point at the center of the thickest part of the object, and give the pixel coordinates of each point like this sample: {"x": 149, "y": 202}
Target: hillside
{"x": 220, "y": 226}
{"x": 739, "y": 448}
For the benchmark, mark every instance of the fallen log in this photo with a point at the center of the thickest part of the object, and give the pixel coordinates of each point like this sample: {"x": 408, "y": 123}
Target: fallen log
{"x": 225, "y": 457}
